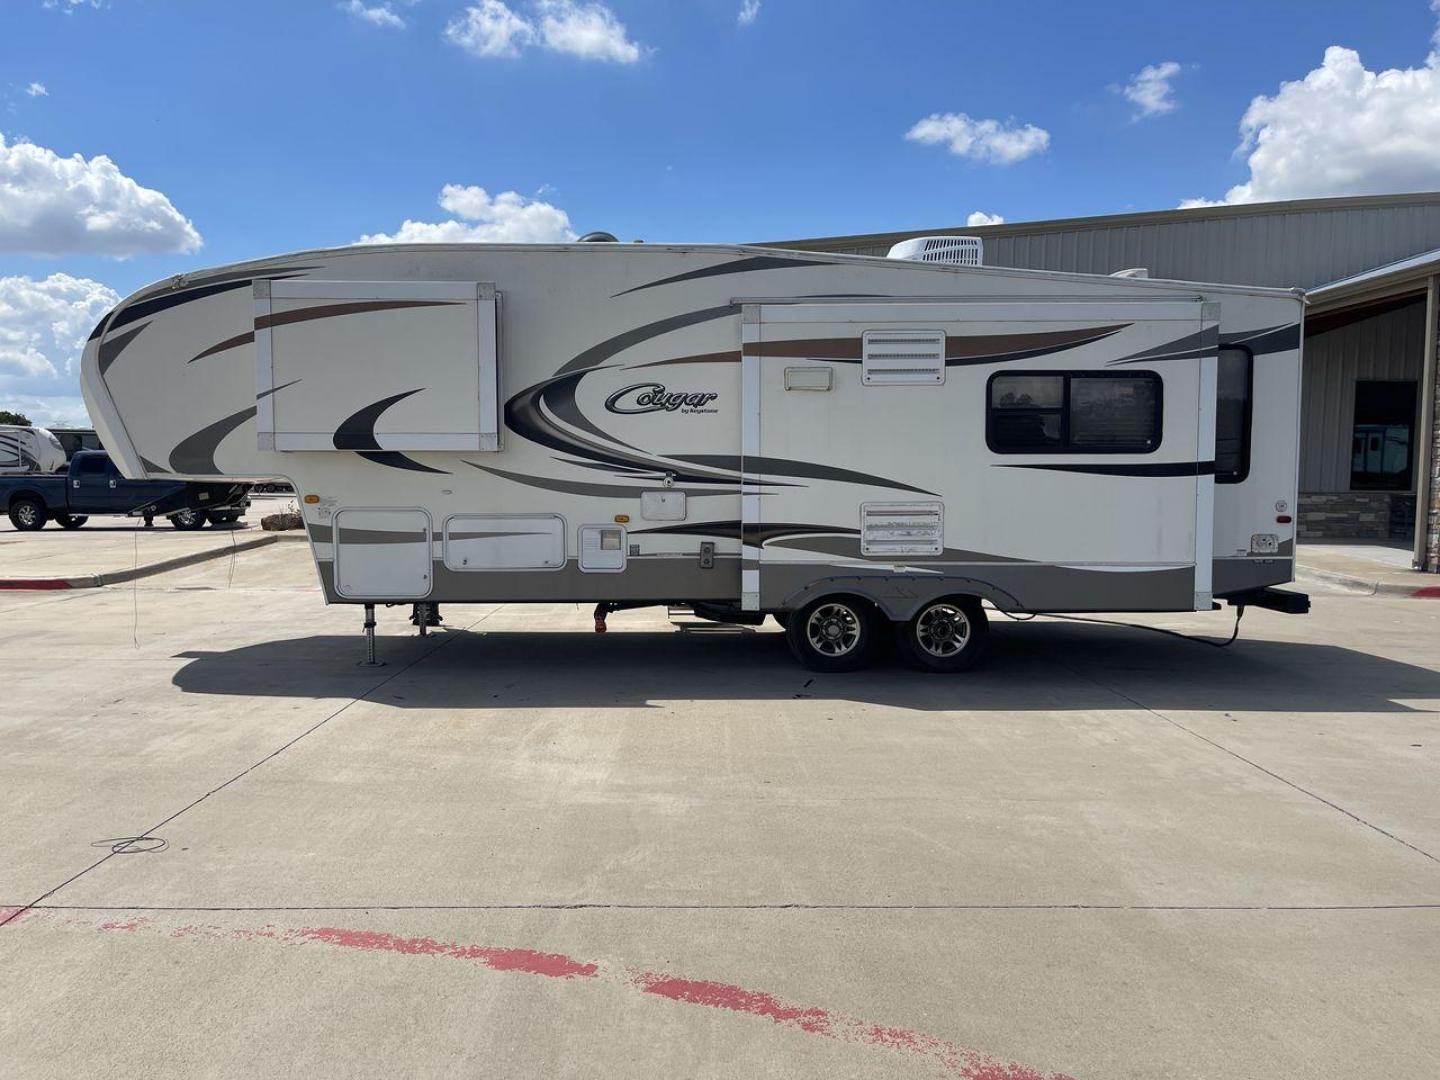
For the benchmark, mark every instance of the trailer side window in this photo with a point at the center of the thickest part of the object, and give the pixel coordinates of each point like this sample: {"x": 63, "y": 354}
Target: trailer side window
{"x": 1074, "y": 412}
{"x": 1235, "y": 378}
{"x": 1027, "y": 413}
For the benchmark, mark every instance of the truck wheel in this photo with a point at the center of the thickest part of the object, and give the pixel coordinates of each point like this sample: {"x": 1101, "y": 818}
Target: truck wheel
{"x": 781, "y": 617}
{"x": 28, "y": 514}
{"x": 834, "y": 633}
{"x": 187, "y": 520}
{"x": 71, "y": 521}
{"x": 223, "y": 517}
{"x": 945, "y": 635}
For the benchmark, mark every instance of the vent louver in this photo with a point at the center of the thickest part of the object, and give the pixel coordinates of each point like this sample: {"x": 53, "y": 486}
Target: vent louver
{"x": 897, "y": 357}
{"x": 909, "y": 528}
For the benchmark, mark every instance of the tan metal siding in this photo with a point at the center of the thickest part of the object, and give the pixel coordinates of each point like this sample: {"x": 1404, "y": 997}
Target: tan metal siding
{"x": 1388, "y": 346}
{"x": 1286, "y": 248}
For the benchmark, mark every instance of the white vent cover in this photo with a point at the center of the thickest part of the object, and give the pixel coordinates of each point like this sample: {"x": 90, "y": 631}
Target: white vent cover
{"x": 951, "y": 250}
{"x": 896, "y": 357}
{"x": 906, "y": 528}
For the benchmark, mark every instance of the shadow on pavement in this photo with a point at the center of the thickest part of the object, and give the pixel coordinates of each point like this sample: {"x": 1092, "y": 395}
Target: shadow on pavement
{"x": 1036, "y": 666}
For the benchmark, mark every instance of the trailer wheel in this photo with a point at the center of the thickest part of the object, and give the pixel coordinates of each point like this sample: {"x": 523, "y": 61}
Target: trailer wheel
{"x": 946, "y": 635}
{"x": 71, "y": 521}
{"x": 188, "y": 520}
{"x": 28, "y": 514}
{"x": 834, "y": 633}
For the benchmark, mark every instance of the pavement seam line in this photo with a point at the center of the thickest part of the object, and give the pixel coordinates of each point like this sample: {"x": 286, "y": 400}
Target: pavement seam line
{"x": 601, "y": 906}
{"x": 1254, "y": 765}
{"x": 12, "y": 916}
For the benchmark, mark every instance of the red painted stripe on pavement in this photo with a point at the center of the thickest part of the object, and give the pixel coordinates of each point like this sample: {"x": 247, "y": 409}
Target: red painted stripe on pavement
{"x": 35, "y": 583}
{"x": 950, "y": 1058}
{"x": 1429, "y": 592}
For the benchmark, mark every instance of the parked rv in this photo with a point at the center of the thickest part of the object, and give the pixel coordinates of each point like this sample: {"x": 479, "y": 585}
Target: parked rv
{"x": 93, "y": 486}
{"x": 26, "y": 450}
{"x": 855, "y": 445}
{"x": 76, "y": 439}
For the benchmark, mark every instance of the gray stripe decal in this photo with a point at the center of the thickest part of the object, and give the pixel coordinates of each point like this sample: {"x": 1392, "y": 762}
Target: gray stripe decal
{"x": 196, "y": 453}
{"x": 112, "y": 346}
{"x": 380, "y": 536}
{"x": 754, "y": 466}
{"x": 580, "y": 487}
{"x": 1095, "y": 468}
{"x": 739, "y": 266}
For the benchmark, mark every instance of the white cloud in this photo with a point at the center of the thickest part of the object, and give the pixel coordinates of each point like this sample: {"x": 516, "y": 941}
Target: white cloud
{"x": 37, "y": 89}
{"x": 381, "y": 14}
{"x": 1150, "y": 90}
{"x": 51, "y": 205}
{"x": 590, "y": 31}
{"x": 749, "y": 9}
{"x": 489, "y": 28}
{"x": 980, "y": 217}
{"x": 69, "y": 6}
{"x": 43, "y": 327}
{"x": 1342, "y": 130}
{"x": 995, "y": 142}
{"x": 482, "y": 218}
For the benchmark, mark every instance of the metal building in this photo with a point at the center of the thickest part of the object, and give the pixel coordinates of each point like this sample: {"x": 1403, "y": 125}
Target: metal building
{"x": 1370, "y": 445}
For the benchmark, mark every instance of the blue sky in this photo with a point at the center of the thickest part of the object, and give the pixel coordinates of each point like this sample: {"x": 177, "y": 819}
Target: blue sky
{"x": 271, "y": 125}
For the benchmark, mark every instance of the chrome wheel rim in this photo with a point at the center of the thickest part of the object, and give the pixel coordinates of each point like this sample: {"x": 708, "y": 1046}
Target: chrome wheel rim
{"x": 833, "y": 630}
{"x": 186, "y": 517}
{"x": 942, "y": 630}
{"x": 26, "y": 513}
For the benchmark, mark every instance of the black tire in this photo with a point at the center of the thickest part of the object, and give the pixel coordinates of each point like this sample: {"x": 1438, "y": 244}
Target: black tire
{"x": 28, "y": 514}
{"x": 188, "y": 520}
{"x": 223, "y": 517}
{"x": 71, "y": 521}
{"x": 833, "y": 633}
{"x": 946, "y": 635}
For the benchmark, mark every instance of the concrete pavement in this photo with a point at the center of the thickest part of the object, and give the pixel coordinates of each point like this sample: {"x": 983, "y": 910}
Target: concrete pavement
{"x": 521, "y": 849}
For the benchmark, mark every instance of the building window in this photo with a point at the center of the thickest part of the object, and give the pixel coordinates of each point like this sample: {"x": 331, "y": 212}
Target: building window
{"x": 1235, "y": 378}
{"x": 1383, "y": 435}
{"x": 1074, "y": 412}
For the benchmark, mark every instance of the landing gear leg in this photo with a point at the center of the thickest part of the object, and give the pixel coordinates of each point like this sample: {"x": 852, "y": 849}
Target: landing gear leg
{"x": 370, "y": 660}
{"x": 149, "y": 521}
{"x": 425, "y": 615}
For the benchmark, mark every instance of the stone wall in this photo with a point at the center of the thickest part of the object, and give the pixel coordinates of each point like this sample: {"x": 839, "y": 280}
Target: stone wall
{"x": 1356, "y": 515}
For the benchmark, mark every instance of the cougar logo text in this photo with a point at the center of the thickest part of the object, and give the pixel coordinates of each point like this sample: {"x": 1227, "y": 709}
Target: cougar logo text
{"x": 654, "y": 397}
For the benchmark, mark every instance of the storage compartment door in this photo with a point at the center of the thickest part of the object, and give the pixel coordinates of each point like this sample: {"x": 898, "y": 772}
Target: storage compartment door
{"x": 376, "y": 365}
{"x": 382, "y": 554}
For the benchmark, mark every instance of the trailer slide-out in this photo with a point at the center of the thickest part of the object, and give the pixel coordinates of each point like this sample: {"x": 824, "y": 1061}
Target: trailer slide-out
{"x": 844, "y": 442}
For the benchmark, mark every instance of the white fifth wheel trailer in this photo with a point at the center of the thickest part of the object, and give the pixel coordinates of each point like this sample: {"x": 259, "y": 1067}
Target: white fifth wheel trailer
{"x": 29, "y": 450}
{"x": 845, "y": 442}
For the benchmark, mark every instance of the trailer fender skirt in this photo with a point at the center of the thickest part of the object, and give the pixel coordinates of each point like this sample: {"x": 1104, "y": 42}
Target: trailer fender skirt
{"x": 1281, "y": 600}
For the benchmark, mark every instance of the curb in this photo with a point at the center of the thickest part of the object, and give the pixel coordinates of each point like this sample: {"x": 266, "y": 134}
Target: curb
{"x": 1367, "y": 586}
{"x": 95, "y": 581}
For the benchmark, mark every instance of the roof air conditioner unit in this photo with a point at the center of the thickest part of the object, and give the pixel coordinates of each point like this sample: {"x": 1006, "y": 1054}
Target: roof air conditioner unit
{"x": 950, "y": 250}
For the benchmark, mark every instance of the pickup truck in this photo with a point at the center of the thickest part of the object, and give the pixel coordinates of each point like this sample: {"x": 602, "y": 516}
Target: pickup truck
{"x": 92, "y": 485}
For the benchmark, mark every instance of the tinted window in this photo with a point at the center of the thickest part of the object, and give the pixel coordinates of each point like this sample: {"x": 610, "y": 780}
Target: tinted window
{"x": 1383, "y": 435}
{"x": 1027, "y": 411}
{"x": 1074, "y": 412}
{"x": 93, "y": 463}
{"x": 1115, "y": 414}
{"x": 1232, "y": 415}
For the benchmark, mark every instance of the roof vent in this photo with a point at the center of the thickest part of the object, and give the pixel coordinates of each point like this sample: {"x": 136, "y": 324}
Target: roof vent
{"x": 950, "y": 250}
